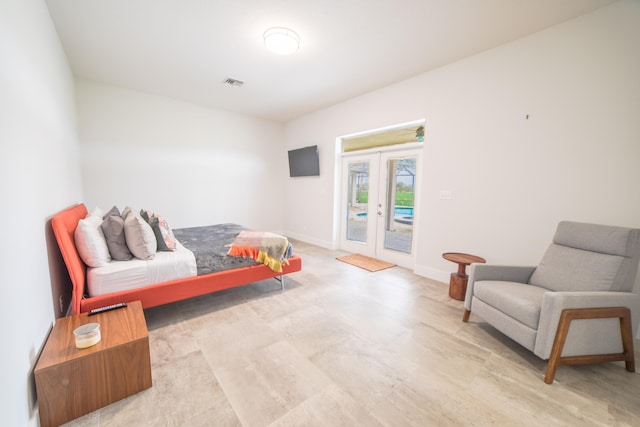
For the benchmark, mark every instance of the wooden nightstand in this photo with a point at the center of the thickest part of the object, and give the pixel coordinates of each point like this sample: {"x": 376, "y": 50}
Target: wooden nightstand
{"x": 71, "y": 382}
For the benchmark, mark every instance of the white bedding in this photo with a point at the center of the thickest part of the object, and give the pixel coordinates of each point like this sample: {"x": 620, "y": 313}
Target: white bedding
{"x": 122, "y": 275}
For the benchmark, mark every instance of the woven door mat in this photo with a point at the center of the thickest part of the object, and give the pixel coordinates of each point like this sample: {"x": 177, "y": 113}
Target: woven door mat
{"x": 365, "y": 262}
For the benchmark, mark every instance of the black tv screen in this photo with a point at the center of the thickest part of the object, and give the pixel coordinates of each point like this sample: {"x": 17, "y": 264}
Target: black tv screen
{"x": 304, "y": 162}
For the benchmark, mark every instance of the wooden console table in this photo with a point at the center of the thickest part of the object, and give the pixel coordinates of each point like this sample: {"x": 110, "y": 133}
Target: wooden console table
{"x": 71, "y": 382}
{"x": 458, "y": 280}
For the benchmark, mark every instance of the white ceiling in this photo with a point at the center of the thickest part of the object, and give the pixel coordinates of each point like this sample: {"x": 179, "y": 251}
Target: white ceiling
{"x": 185, "y": 49}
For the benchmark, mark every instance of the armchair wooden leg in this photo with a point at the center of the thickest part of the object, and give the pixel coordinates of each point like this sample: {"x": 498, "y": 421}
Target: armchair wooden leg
{"x": 570, "y": 314}
{"x": 465, "y": 316}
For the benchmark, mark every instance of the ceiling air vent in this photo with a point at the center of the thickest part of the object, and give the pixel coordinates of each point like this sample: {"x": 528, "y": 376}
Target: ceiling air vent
{"x": 233, "y": 82}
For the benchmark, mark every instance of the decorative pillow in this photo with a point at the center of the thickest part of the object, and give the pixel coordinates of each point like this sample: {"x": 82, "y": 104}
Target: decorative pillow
{"x": 113, "y": 230}
{"x": 146, "y": 214}
{"x": 164, "y": 235}
{"x": 139, "y": 236}
{"x": 90, "y": 242}
{"x": 125, "y": 212}
{"x": 96, "y": 212}
{"x": 113, "y": 211}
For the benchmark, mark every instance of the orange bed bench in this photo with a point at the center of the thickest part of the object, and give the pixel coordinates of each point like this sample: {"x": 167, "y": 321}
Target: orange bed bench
{"x": 64, "y": 225}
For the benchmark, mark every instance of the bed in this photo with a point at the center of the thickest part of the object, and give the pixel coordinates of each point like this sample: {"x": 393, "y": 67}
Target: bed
{"x": 248, "y": 271}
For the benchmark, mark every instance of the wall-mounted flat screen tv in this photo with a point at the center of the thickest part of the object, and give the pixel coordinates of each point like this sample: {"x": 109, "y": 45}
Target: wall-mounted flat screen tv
{"x": 304, "y": 162}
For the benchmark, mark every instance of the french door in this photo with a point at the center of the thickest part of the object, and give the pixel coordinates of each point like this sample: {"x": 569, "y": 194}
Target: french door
{"x": 379, "y": 205}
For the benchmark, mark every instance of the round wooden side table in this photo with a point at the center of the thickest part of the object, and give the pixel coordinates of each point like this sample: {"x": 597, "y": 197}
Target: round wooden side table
{"x": 458, "y": 280}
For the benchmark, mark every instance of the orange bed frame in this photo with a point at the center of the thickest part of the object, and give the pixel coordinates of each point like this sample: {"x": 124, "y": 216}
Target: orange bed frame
{"x": 64, "y": 225}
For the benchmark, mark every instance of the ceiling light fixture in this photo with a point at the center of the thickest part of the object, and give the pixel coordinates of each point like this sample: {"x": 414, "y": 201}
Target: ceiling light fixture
{"x": 281, "y": 40}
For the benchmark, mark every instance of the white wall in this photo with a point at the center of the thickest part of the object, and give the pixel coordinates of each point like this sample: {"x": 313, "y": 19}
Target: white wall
{"x": 193, "y": 165}
{"x": 39, "y": 175}
{"x": 577, "y": 157}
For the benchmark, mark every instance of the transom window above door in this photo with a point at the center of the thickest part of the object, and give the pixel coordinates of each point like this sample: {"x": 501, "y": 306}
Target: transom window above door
{"x": 411, "y": 132}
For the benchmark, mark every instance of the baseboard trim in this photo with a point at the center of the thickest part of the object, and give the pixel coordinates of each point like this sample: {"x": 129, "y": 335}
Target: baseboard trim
{"x": 311, "y": 240}
{"x": 432, "y": 273}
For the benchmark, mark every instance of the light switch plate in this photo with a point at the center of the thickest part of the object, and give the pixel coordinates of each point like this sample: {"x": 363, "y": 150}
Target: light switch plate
{"x": 446, "y": 195}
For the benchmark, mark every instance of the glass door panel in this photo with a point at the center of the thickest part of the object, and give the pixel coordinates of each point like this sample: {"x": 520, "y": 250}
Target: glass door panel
{"x": 399, "y": 204}
{"x": 359, "y": 198}
{"x": 357, "y": 201}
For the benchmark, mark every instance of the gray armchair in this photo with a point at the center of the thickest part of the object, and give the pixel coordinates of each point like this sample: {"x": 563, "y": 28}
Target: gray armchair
{"x": 583, "y": 281}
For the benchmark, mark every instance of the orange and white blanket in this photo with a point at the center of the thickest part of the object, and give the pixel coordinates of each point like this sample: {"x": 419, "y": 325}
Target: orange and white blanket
{"x": 261, "y": 246}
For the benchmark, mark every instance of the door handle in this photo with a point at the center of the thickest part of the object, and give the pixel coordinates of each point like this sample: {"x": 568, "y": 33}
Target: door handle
{"x": 379, "y": 213}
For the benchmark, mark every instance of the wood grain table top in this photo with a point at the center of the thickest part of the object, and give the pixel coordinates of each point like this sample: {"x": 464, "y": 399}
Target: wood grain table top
{"x": 462, "y": 258}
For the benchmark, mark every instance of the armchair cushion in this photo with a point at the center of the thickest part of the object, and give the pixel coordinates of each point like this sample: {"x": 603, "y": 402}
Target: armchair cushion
{"x": 563, "y": 268}
{"x": 589, "y": 257}
{"x": 605, "y": 239}
{"x": 506, "y": 273}
{"x": 517, "y": 300}
{"x": 519, "y": 332}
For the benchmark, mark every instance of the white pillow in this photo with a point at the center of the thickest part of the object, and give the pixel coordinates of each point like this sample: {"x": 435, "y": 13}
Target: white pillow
{"x": 97, "y": 211}
{"x": 139, "y": 236}
{"x": 91, "y": 243}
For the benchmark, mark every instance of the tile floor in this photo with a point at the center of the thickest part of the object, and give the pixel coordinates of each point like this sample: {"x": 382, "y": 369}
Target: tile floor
{"x": 344, "y": 347}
